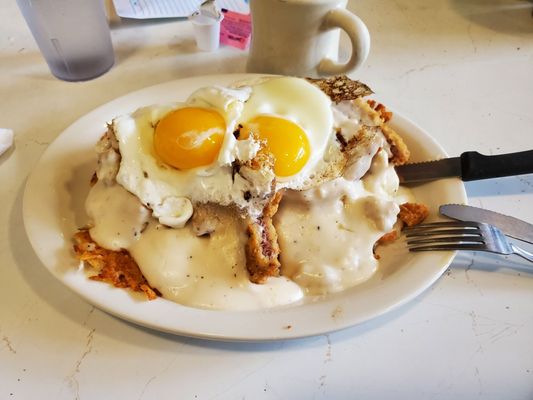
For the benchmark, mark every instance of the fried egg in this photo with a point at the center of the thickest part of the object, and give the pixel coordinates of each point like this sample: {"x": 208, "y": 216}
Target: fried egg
{"x": 173, "y": 155}
{"x": 176, "y": 155}
{"x": 295, "y": 119}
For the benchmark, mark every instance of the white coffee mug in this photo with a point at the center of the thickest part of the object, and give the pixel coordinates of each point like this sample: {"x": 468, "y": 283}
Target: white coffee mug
{"x": 301, "y": 37}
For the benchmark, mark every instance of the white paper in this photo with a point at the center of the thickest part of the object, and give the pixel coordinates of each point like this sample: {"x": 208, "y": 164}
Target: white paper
{"x": 6, "y": 140}
{"x": 144, "y": 9}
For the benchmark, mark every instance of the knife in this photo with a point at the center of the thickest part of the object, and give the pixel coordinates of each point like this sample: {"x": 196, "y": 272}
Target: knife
{"x": 511, "y": 226}
{"x": 470, "y": 166}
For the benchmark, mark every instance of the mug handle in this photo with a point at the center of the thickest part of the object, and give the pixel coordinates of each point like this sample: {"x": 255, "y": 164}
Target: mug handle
{"x": 359, "y": 36}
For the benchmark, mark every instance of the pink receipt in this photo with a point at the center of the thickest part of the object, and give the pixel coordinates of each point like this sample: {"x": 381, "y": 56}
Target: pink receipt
{"x": 235, "y": 29}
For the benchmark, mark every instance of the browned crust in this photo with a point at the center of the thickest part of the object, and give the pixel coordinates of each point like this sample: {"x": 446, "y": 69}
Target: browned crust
{"x": 410, "y": 214}
{"x": 259, "y": 172}
{"x": 263, "y": 160}
{"x": 385, "y": 114}
{"x": 400, "y": 152}
{"x": 262, "y": 248}
{"x": 115, "y": 267}
{"x": 388, "y": 237}
{"x": 413, "y": 213}
{"x": 340, "y": 88}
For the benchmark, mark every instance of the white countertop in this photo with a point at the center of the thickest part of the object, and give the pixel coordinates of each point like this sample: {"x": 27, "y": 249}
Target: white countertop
{"x": 463, "y": 70}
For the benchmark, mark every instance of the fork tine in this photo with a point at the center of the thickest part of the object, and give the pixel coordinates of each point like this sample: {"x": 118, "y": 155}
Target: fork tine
{"x": 449, "y": 240}
{"x": 449, "y": 235}
{"x": 444, "y": 224}
{"x": 461, "y": 236}
{"x": 440, "y": 232}
{"x": 458, "y": 246}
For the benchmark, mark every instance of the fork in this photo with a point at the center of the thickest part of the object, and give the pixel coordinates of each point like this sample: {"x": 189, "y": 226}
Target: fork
{"x": 459, "y": 235}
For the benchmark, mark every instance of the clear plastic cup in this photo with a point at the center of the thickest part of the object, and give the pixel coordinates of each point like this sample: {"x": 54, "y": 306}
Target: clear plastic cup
{"x": 73, "y": 36}
{"x": 206, "y": 31}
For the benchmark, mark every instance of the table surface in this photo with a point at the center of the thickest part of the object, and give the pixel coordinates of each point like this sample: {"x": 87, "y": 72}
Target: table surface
{"x": 461, "y": 69}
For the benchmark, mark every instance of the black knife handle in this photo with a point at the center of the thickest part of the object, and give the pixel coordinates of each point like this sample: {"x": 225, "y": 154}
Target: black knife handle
{"x": 476, "y": 166}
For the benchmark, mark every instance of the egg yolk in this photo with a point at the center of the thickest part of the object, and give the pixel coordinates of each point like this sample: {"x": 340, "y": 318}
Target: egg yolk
{"x": 285, "y": 140}
{"x": 189, "y": 137}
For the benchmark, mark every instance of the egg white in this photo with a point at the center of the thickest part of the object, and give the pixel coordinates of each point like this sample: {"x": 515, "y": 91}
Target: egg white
{"x": 170, "y": 193}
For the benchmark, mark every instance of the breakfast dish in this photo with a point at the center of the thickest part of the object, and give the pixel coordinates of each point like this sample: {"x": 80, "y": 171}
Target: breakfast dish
{"x": 247, "y": 196}
{"x": 54, "y": 210}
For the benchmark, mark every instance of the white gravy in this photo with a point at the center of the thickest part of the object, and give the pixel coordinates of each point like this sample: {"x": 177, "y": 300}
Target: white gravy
{"x": 326, "y": 237}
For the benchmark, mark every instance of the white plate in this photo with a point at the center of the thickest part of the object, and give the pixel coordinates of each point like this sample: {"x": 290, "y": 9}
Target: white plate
{"x": 53, "y": 210}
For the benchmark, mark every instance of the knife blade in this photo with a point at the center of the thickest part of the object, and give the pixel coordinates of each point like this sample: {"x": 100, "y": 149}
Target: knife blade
{"x": 470, "y": 166}
{"x": 511, "y": 226}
